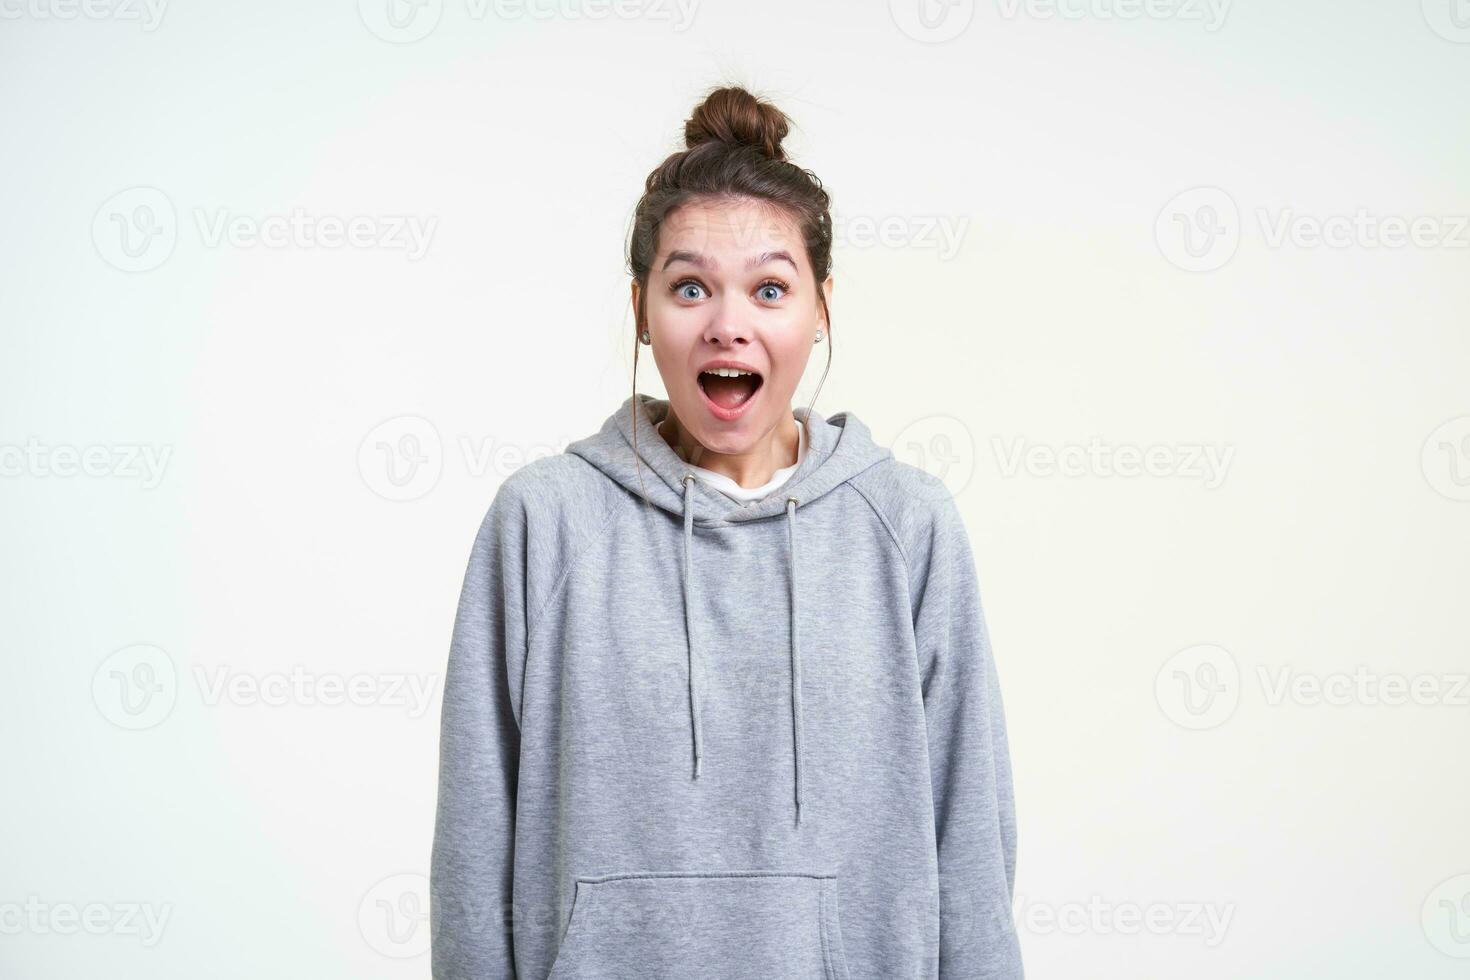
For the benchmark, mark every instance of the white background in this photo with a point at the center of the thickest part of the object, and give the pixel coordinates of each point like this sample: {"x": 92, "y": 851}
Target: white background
{"x": 1131, "y": 193}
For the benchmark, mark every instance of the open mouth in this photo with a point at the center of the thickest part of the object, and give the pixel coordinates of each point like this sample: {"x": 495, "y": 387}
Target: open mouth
{"x": 729, "y": 390}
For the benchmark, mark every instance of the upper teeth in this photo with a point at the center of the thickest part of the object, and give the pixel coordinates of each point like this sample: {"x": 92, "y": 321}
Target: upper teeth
{"x": 728, "y": 372}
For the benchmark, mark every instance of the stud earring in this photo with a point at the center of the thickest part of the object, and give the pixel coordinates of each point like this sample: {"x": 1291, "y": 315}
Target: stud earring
{"x": 645, "y": 338}
{"x": 819, "y": 338}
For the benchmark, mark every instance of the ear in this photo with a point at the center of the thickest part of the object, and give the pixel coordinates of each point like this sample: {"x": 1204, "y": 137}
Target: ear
{"x": 826, "y": 291}
{"x": 635, "y": 290}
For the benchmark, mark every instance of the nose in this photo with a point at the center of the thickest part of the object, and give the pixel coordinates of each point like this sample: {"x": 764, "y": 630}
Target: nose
{"x": 726, "y": 326}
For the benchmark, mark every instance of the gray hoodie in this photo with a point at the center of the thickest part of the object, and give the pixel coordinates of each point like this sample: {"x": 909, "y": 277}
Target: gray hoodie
{"x": 692, "y": 738}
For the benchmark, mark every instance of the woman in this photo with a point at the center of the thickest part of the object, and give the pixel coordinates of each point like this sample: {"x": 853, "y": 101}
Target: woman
{"x": 720, "y": 699}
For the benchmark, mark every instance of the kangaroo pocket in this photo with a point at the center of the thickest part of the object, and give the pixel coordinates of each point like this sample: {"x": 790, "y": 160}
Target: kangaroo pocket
{"x": 721, "y": 925}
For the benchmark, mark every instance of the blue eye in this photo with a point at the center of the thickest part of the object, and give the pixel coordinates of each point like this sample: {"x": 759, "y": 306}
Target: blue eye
{"x": 770, "y": 291}
{"x": 770, "y": 284}
{"x": 679, "y": 288}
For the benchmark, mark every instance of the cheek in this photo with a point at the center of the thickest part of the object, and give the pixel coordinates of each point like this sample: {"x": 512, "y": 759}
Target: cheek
{"x": 789, "y": 351}
{"x": 673, "y": 348}
{"x": 679, "y": 327}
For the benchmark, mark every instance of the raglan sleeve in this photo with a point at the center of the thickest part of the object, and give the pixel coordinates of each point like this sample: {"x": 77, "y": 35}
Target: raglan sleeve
{"x": 969, "y": 758}
{"x": 472, "y": 859}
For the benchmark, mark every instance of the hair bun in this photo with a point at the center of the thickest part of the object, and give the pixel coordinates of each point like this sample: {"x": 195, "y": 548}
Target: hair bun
{"x": 732, "y": 115}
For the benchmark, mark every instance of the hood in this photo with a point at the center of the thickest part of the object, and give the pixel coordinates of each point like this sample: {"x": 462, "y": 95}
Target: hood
{"x": 838, "y": 449}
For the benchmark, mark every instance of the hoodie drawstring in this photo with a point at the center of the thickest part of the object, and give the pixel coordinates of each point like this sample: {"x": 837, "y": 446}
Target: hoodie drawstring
{"x": 694, "y": 697}
{"x": 796, "y": 737}
{"x": 695, "y": 669}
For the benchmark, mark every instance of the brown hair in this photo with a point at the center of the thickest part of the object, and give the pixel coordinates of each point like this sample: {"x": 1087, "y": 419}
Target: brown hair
{"x": 732, "y": 150}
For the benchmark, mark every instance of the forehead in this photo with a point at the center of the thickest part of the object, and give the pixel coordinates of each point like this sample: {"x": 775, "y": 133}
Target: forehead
{"x": 728, "y": 232}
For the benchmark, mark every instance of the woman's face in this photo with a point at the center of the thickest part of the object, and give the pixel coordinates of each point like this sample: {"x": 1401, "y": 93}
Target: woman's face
{"x": 731, "y": 285}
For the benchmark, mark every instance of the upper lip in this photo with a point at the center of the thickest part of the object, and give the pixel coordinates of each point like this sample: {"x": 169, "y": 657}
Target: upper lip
{"x": 725, "y": 362}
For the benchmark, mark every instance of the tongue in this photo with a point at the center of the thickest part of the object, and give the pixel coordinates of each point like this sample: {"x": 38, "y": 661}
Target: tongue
{"x": 728, "y": 392}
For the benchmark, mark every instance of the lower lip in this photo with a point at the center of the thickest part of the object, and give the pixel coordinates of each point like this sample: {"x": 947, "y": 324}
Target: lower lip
{"x": 729, "y": 414}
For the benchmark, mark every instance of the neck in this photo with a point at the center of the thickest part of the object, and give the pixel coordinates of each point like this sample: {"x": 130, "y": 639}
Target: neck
{"x": 775, "y": 450}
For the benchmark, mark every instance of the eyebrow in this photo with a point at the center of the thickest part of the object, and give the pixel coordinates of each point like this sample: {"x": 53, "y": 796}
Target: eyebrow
{"x": 695, "y": 258}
